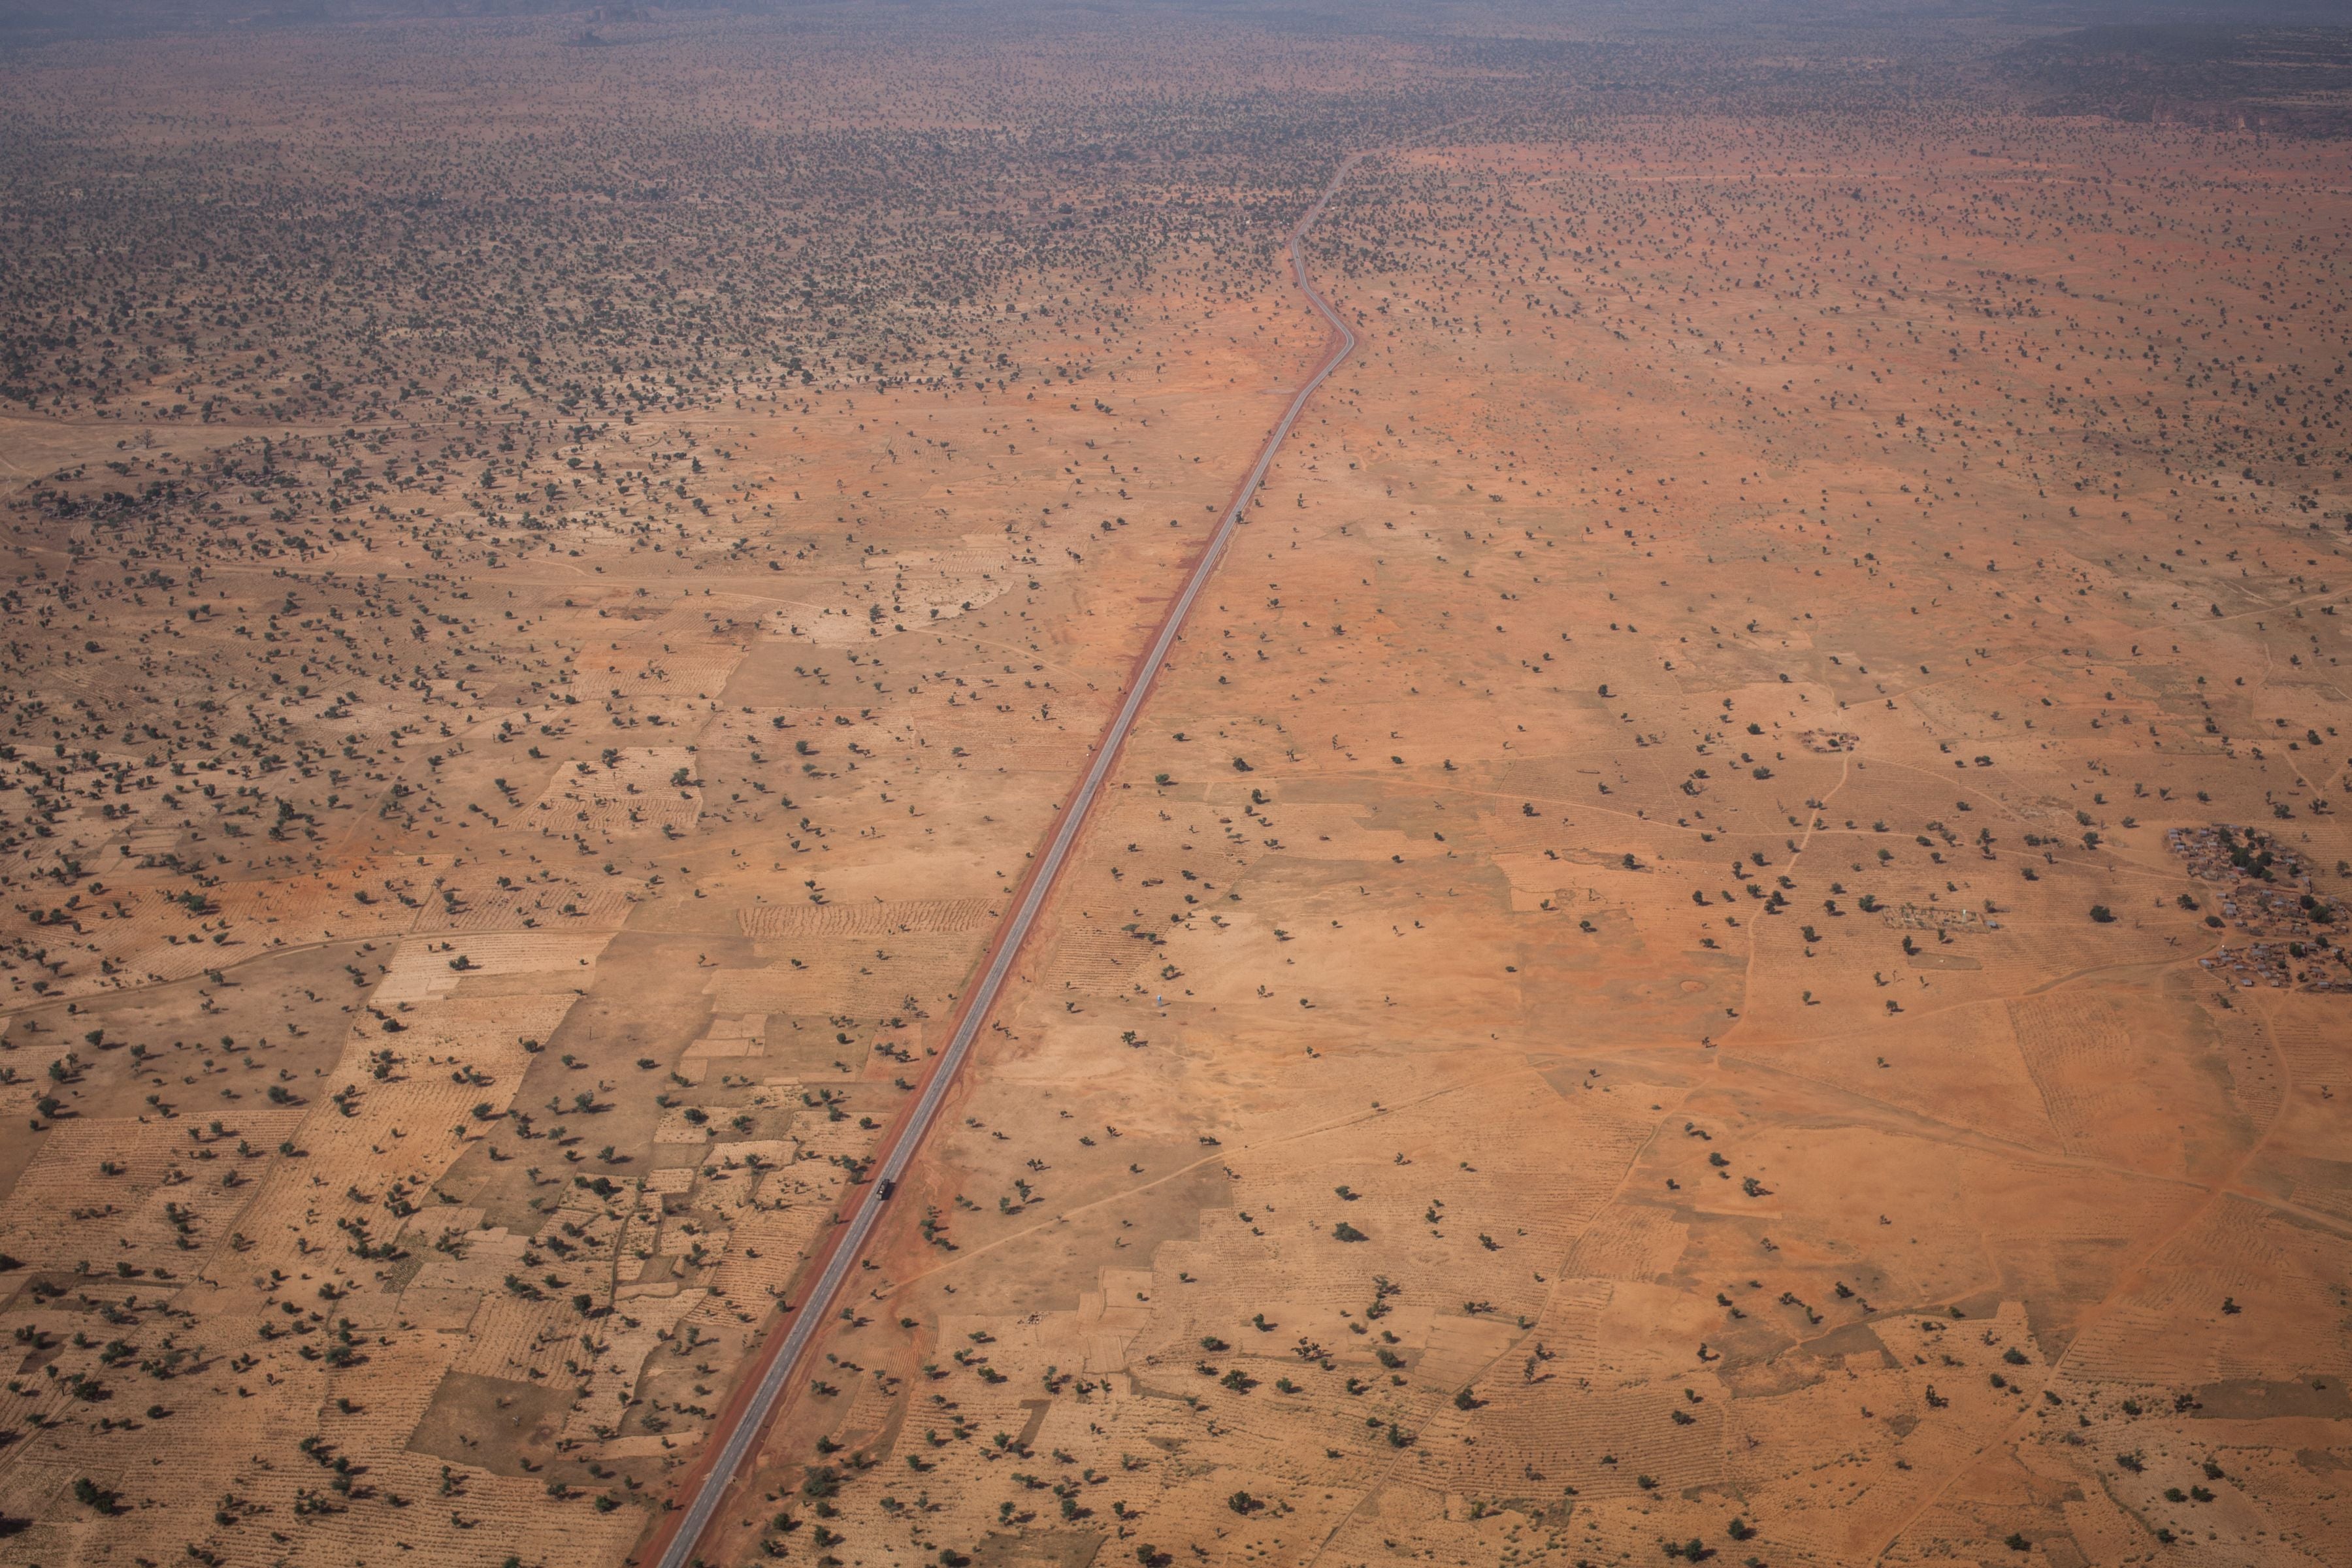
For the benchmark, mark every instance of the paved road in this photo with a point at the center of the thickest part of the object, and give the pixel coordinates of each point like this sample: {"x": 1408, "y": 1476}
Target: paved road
{"x": 750, "y": 1416}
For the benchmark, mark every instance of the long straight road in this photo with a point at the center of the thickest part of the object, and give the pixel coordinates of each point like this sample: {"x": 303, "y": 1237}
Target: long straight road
{"x": 740, "y": 1425}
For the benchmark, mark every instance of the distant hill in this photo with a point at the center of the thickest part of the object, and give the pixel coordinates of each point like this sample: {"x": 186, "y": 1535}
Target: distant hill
{"x": 23, "y": 21}
{"x": 2285, "y": 78}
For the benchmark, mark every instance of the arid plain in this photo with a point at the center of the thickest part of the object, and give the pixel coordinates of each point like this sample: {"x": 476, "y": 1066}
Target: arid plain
{"x": 1721, "y": 939}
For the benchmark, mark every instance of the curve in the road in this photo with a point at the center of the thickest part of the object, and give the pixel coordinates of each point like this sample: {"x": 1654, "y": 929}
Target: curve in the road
{"x": 741, "y": 1423}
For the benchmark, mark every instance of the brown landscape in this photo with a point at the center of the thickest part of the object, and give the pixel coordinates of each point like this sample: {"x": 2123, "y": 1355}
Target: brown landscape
{"x": 1723, "y": 938}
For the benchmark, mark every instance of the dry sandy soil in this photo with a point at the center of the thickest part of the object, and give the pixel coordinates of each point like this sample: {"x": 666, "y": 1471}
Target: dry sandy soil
{"x": 1722, "y": 941}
